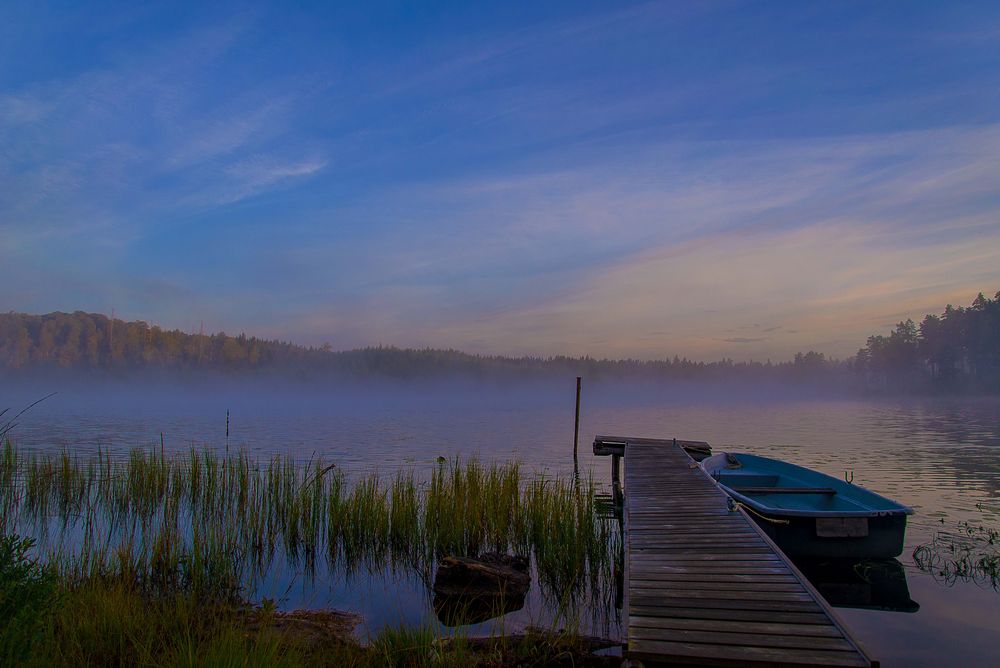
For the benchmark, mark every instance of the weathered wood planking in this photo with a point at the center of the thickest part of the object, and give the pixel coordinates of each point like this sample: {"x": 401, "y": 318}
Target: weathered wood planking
{"x": 609, "y": 445}
{"x": 703, "y": 584}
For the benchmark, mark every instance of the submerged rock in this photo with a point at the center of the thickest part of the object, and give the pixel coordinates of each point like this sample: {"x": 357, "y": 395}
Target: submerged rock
{"x": 489, "y": 573}
{"x": 469, "y": 590}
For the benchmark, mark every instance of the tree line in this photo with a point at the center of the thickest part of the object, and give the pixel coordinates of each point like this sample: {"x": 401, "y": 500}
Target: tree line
{"x": 957, "y": 350}
{"x": 93, "y": 342}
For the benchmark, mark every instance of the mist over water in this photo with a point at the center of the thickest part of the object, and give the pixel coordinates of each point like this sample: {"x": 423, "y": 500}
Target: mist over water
{"x": 278, "y": 415}
{"x": 939, "y": 456}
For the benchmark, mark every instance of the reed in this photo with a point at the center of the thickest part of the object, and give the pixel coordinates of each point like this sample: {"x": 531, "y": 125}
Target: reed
{"x": 967, "y": 551}
{"x": 214, "y": 524}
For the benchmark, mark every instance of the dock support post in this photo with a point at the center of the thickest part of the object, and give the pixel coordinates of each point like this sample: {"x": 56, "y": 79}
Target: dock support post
{"x": 616, "y": 481}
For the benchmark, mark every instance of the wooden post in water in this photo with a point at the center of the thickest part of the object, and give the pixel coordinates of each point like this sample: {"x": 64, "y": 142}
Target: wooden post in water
{"x": 616, "y": 480}
{"x": 576, "y": 425}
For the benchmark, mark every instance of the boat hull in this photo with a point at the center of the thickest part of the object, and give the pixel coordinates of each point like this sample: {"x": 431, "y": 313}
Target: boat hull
{"x": 799, "y": 538}
{"x": 808, "y": 513}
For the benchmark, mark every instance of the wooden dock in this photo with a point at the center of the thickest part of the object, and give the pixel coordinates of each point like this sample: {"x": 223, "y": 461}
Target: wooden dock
{"x": 703, "y": 584}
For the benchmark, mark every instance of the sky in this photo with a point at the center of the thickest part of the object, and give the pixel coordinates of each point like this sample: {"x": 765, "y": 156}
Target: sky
{"x": 703, "y": 179}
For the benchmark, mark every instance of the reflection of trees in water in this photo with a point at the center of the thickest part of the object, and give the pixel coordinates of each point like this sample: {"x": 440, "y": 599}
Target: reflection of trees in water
{"x": 967, "y": 421}
{"x": 960, "y": 434}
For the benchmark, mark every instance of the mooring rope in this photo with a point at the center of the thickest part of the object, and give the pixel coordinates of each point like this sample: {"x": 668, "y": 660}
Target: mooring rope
{"x": 734, "y": 504}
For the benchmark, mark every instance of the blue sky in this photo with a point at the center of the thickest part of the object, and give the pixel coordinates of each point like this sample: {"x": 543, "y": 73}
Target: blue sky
{"x": 731, "y": 179}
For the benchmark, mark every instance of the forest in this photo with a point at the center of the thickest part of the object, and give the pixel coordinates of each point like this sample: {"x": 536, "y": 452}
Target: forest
{"x": 95, "y": 343}
{"x": 956, "y": 351}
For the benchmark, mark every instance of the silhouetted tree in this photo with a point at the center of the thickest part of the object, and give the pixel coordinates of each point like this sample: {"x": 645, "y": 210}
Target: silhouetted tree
{"x": 960, "y": 349}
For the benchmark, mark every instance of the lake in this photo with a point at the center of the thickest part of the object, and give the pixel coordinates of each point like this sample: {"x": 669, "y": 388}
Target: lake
{"x": 940, "y": 456}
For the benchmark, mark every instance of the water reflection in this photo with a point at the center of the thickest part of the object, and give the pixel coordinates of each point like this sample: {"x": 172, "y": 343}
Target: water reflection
{"x": 866, "y": 584}
{"x": 938, "y": 456}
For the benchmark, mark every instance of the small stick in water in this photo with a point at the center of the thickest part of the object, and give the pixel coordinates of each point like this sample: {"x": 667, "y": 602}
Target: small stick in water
{"x": 576, "y": 425}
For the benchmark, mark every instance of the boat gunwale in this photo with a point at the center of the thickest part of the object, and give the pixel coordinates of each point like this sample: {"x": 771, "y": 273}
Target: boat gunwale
{"x": 837, "y": 484}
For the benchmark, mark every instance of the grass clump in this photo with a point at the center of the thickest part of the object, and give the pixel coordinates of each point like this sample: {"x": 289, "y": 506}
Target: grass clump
{"x": 418, "y": 647}
{"x": 110, "y": 623}
{"x": 27, "y": 594}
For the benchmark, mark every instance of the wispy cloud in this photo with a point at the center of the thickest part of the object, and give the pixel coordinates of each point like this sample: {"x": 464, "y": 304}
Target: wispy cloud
{"x": 221, "y": 134}
{"x": 18, "y": 110}
{"x": 640, "y": 180}
{"x": 807, "y": 233}
{"x": 799, "y": 276}
{"x": 128, "y": 143}
{"x": 258, "y": 173}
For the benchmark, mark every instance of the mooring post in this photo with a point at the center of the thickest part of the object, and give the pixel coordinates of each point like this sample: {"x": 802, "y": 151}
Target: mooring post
{"x": 616, "y": 481}
{"x": 576, "y": 426}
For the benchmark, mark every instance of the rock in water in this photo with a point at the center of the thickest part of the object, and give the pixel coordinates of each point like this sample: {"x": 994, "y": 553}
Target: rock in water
{"x": 469, "y": 590}
{"x": 488, "y": 573}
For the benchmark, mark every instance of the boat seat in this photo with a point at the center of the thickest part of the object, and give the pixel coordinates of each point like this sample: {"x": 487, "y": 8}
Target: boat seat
{"x": 785, "y": 490}
{"x": 747, "y": 480}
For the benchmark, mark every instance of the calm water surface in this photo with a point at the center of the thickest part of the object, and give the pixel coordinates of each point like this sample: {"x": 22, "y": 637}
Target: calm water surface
{"x": 942, "y": 457}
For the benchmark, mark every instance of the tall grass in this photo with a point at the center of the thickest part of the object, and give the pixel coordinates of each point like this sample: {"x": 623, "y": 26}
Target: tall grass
{"x": 109, "y": 624}
{"x": 214, "y": 524}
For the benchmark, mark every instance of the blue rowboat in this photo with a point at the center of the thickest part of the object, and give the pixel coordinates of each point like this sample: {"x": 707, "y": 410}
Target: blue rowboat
{"x": 808, "y": 513}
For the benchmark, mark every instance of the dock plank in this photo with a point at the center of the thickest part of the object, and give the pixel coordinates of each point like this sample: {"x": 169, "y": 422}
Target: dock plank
{"x": 809, "y": 630}
{"x": 778, "y": 639}
{"x": 667, "y": 612}
{"x": 703, "y": 584}
{"x": 729, "y": 655}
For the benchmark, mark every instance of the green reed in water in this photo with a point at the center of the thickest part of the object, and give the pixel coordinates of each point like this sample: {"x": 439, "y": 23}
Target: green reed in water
{"x": 215, "y": 523}
{"x": 970, "y": 552}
